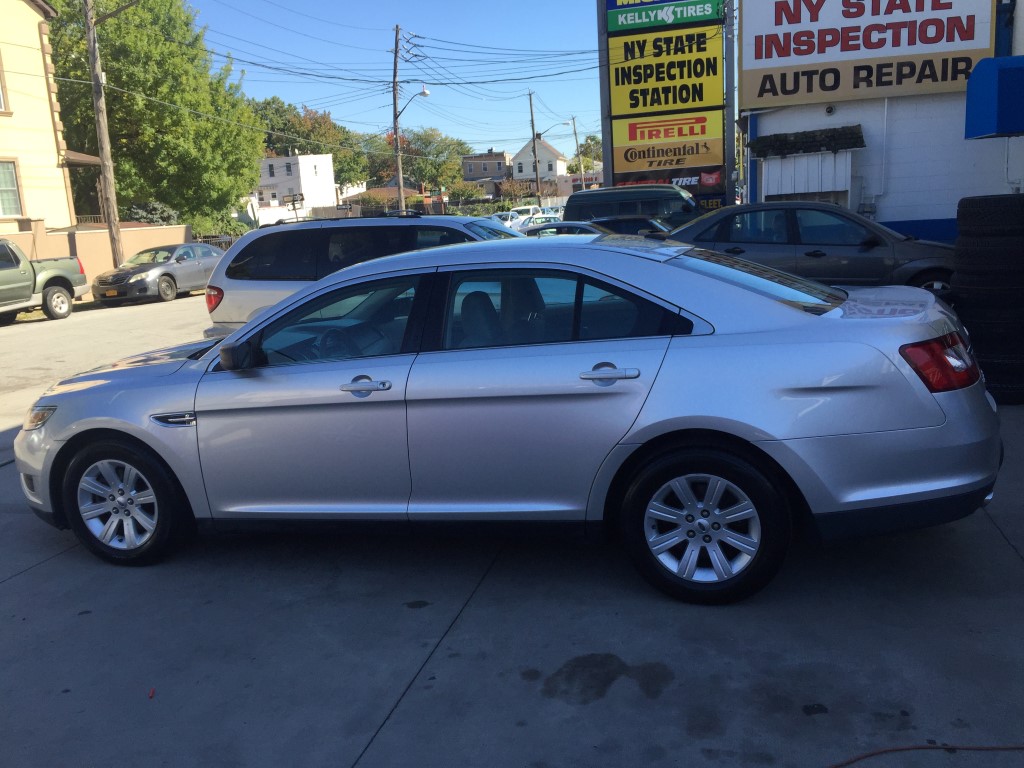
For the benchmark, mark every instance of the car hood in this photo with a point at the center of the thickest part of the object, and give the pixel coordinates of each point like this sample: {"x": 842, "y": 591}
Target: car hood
{"x": 128, "y": 269}
{"x": 160, "y": 362}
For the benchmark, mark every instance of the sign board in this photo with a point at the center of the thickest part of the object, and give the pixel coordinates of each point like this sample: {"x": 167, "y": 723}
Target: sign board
{"x": 298, "y": 197}
{"x": 814, "y": 51}
{"x": 666, "y": 71}
{"x": 630, "y": 15}
{"x": 687, "y": 140}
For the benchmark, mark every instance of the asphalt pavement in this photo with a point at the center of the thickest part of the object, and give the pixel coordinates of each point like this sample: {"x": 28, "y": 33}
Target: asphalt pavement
{"x": 392, "y": 647}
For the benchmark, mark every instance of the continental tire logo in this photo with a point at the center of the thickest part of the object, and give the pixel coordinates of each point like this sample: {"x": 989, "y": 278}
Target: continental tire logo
{"x": 667, "y": 130}
{"x": 632, "y": 155}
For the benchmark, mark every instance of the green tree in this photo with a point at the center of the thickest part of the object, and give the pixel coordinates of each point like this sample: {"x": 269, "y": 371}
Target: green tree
{"x": 181, "y": 134}
{"x": 461, "y": 191}
{"x": 590, "y": 151}
{"x": 279, "y": 117}
{"x": 437, "y": 159}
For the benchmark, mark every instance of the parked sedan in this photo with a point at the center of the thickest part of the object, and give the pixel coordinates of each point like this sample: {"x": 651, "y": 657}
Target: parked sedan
{"x": 700, "y": 405}
{"x": 823, "y": 242}
{"x": 158, "y": 273}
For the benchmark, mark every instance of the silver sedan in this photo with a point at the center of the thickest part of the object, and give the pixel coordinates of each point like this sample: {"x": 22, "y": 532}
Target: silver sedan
{"x": 702, "y": 406}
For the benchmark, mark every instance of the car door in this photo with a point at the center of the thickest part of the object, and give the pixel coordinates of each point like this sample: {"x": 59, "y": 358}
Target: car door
{"x": 16, "y": 276}
{"x": 759, "y": 235}
{"x": 188, "y": 272}
{"x": 208, "y": 258}
{"x": 317, "y": 427}
{"x": 835, "y": 249}
{"x": 534, "y": 376}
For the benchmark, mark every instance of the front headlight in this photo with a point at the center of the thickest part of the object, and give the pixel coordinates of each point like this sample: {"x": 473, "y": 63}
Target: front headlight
{"x": 137, "y": 278}
{"x": 37, "y": 416}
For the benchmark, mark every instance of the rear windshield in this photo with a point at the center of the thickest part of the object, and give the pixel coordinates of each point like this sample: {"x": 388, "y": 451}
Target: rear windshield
{"x": 487, "y": 230}
{"x": 805, "y": 295}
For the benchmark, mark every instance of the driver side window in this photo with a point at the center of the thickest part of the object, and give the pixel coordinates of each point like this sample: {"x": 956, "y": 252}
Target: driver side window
{"x": 364, "y": 320}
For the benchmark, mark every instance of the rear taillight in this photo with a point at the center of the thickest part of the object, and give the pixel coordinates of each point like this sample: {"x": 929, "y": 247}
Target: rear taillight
{"x": 81, "y": 269}
{"x": 944, "y": 364}
{"x": 214, "y": 296}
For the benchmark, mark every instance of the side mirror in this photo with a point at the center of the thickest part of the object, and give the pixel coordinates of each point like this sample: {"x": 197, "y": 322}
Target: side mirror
{"x": 872, "y": 241}
{"x": 179, "y": 258}
{"x": 236, "y": 355}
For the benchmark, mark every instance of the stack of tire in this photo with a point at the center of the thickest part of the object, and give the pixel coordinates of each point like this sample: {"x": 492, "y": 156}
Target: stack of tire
{"x": 988, "y": 288}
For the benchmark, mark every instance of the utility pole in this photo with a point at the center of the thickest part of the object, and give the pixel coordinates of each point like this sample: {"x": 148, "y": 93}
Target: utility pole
{"x": 398, "y": 147}
{"x": 108, "y": 191}
{"x": 536, "y": 162}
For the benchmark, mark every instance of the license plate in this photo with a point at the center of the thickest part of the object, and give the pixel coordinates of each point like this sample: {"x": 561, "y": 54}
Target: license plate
{"x": 110, "y": 293}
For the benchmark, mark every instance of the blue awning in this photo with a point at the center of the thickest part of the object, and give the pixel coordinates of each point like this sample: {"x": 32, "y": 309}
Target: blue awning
{"x": 994, "y": 103}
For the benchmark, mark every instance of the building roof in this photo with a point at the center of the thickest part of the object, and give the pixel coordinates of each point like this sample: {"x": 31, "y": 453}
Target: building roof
{"x": 808, "y": 142}
{"x": 45, "y": 9}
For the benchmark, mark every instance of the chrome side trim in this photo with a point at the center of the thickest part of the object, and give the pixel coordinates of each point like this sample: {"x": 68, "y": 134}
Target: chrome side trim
{"x": 187, "y": 419}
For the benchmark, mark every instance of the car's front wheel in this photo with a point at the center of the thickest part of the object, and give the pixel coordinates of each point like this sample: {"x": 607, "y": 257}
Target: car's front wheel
{"x": 122, "y": 503}
{"x": 705, "y": 526}
{"x": 167, "y": 289}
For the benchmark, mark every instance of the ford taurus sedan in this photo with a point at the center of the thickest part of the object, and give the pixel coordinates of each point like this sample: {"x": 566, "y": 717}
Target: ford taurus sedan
{"x": 702, "y": 406}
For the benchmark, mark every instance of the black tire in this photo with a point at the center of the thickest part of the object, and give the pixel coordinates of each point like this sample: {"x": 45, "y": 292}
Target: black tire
{"x": 139, "y": 531}
{"x": 1004, "y": 377}
{"x": 991, "y": 215}
{"x": 971, "y": 280}
{"x": 694, "y": 538}
{"x": 167, "y": 289}
{"x": 6, "y": 318}
{"x": 935, "y": 280}
{"x": 999, "y": 305}
{"x": 56, "y": 303}
{"x": 989, "y": 254}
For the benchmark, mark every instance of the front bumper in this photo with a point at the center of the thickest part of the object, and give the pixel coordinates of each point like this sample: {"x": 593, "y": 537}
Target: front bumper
{"x": 141, "y": 289}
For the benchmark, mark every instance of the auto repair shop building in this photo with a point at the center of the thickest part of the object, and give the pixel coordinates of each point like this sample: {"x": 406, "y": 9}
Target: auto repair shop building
{"x": 863, "y": 103}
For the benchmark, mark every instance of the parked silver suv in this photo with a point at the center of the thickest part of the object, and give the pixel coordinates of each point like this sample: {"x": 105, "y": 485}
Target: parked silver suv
{"x": 268, "y": 264}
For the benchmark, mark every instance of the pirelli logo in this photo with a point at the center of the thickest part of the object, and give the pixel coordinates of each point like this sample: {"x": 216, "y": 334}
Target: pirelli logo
{"x": 670, "y": 129}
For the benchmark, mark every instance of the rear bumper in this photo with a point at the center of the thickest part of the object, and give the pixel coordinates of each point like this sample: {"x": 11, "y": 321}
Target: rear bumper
{"x": 901, "y": 517}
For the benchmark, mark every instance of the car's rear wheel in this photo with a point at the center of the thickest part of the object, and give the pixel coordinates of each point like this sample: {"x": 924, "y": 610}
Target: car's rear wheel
{"x": 934, "y": 280}
{"x": 6, "y": 318}
{"x": 122, "y": 503}
{"x": 705, "y": 526}
{"x": 56, "y": 303}
{"x": 167, "y": 289}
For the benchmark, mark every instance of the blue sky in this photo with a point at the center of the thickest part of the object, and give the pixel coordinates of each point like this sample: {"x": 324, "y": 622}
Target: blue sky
{"x": 336, "y": 56}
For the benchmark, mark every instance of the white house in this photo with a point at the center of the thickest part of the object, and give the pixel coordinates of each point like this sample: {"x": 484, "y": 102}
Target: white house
{"x": 552, "y": 162}
{"x": 283, "y": 179}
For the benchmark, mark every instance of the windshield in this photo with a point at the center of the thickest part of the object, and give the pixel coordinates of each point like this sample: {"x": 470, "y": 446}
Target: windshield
{"x": 485, "y": 230}
{"x": 805, "y": 295}
{"x": 152, "y": 256}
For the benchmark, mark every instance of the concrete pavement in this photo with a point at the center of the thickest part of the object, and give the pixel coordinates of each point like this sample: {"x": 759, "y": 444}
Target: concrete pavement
{"x": 392, "y": 647}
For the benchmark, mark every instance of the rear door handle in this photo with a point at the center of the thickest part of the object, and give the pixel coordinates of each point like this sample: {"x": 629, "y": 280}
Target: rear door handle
{"x": 610, "y": 374}
{"x": 815, "y": 254}
{"x": 735, "y": 251}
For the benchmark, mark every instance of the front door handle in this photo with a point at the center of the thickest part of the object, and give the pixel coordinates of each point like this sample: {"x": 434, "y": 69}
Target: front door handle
{"x": 734, "y": 251}
{"x": 366, "y": 385}
{"x": 815, "y": 254}
{"x": 610, "y": 374}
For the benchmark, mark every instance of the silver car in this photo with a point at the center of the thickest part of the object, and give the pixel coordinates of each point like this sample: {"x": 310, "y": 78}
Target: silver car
{"x": 702, "y": 406}
{"x": 160, "y": 273}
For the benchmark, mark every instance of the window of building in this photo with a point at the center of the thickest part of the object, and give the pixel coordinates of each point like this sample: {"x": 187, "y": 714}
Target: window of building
{"x": 287, "y": 169}
{"x": 270, "y": 170}
{"x": 551, "y": 166}
{"x": 483, "y": 167}
{"x": 10, "y": 198}
{"x": 262, "y": 196}
{"x": 469, "y": 167}
{"x": 499, "y": 165}
{"x": 273, "y": 195}
{"x": 534, "y": 168}
{"x": 520, "y": 168}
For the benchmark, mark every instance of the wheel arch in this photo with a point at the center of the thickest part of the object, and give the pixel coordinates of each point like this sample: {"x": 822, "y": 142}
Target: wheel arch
{"x": 59, "y": 281}
{"x": 709, "y": 439}
{"x": 67, "y": 453}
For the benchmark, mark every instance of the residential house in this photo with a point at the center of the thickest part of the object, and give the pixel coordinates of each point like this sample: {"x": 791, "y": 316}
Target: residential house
{"x": 552, "y": 163}
{"x": 488, "y": 169}
{"x": 293, "y": 185}
{"x": 35, "y": 190}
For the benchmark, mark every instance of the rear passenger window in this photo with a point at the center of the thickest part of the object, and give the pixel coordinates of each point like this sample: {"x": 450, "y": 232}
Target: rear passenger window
{"x": 430, "y": 237}
{"x": 353, "y": 245}
{"x": 290, "y": 255}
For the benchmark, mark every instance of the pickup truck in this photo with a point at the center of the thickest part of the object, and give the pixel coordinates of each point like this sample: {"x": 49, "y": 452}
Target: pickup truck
{"x": 48, "y": 283}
